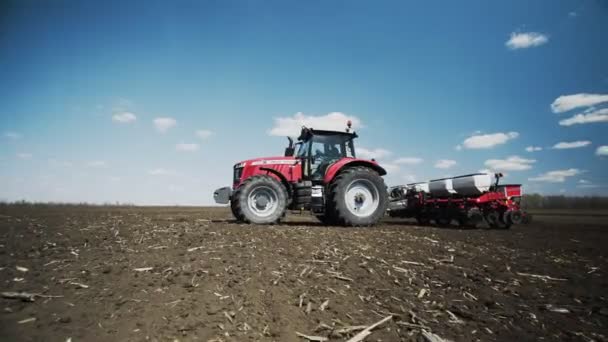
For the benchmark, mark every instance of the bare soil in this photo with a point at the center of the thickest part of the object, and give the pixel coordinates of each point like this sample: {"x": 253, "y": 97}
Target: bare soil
{"x": 165, "y": 274}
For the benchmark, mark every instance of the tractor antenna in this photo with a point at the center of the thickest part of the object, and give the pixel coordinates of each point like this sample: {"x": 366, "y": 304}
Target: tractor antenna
{"x": 349, "y": 124}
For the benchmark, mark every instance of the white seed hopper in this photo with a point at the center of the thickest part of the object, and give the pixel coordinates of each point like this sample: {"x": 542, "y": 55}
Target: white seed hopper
{"x": 472, "y": 185}
{"x": 441, "y": 187}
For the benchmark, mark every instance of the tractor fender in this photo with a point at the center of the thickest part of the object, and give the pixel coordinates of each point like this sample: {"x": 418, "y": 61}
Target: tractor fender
{"x": 281, "y": 177}
{"x": 337, "y": 167}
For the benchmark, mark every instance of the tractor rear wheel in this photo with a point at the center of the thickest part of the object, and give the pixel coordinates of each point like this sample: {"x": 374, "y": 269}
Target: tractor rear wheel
{"x": 260, "y": 200}
{"x": 357, "y": 197}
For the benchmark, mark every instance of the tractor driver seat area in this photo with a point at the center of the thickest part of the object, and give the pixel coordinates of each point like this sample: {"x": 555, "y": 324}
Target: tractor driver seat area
{"x": 323, "y": 160}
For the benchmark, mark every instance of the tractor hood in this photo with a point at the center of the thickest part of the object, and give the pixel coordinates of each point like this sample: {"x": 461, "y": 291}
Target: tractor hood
{"x": 267, "y": 161}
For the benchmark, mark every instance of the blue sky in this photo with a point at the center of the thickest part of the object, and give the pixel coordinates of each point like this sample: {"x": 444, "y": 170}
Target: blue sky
{"x": 152, "y": 102}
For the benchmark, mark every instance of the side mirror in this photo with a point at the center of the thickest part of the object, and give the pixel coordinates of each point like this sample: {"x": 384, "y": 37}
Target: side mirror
{"x": 289, "y": 151}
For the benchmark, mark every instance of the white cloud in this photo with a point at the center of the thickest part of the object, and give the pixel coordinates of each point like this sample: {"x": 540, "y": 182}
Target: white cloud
{"x": 409, "y": 178}
{"x": 187, "y": 147}
{"x": 524, "y": 40}
{"x": 409, "y": 161}
{"x": 602, "y": 150}
{"x": 291, "y": 126}
{"x": 557, "y": 176}
{"x": 59, "y": 163}
{"x": 161, "y": 172}
{"x": 584, "y": 181}
{"x": 573, "y": 144}
{"x": 24, "y": 155}
{"x": 175, "y": 188}
{"x": 589, "y": 186}
{"x": 97, "y": 163}
{"x": 164, "y": 124}
{"x": 390, "y": 168}
{"x": 572, "y": 14}
{"x": 533, "y": 148}
{"x": 488, "y": 140}
{"x": 445, "y": 163}
{"x": 512, "y": 163}
{"x": 124, "y": 117}
{"x": 12, "y": 135}
{"x": 565, "y": 103}
{"x": 204, "y": 133}
{"x": 377, "y": 153}
{"x": 600, "y": 115}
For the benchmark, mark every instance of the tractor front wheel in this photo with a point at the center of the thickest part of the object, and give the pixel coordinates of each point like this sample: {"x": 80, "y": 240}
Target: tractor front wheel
{"x": 237, "y": 215}
{"x": 358, "y": 197}
{"x": 260, "y": 200}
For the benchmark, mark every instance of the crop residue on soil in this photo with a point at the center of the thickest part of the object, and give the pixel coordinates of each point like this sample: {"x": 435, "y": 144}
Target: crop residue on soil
{"x": 113, "y": 274}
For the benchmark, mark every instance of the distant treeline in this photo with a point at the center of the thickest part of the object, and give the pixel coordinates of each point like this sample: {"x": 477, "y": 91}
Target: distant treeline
{"x": 25, "y": 203}
{"x": 537, "y": 201}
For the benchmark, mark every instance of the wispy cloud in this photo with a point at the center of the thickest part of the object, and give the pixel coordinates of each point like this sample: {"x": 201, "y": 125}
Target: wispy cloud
{"x": 291, "y": 126}
{"x": 390, "y": 167}
{"x": 557, "y": 176}
{"x": 161, "y": 172}
{"x": 600, "y": 115}
{"x": 24, "y": 155}
{"x": 602, "y": 150}
{"x": 445, "y": 163}
{"x": 164, "y": 124}
{"x": 204, "y": 133}
{"x": 523, "y": 40}
{"x": 188, "y": 147}
{"x": 533, "y": 148}
{"x": 565, "y": 103}
{"x": 377, "y": 153}
{"x": 482, "y": 141}
{"x": 59, "y": 163}
{"x": 572, "y": 144}
{"x": 124, "y": 117}
{"x": 409, "y": 178}
{"x": 12, "y": 135}
{"x": 97, "y": 163}
{"x": 587, "y": 184}
{"x": 512, "y": 163}
{"x": 408, "y": 160}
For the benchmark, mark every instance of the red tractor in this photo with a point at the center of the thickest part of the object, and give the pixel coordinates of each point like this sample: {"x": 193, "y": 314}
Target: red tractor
{"x": 323, "y": 176}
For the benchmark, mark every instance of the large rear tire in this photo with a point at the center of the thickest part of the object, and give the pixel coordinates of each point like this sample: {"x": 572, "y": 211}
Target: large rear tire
{"x": 260, "y": 200}
{"x": 357, "y": 197}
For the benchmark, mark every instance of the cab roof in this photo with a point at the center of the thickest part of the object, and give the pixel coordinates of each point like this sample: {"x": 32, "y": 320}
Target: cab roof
{"x": 307, "y": 133}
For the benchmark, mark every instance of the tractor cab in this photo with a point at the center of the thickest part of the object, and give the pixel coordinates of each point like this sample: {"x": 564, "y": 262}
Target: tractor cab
{"x": 318, "y": 149}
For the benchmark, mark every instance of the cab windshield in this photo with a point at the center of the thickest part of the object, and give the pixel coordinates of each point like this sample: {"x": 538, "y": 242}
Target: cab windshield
{"x": 328, "y": 147}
